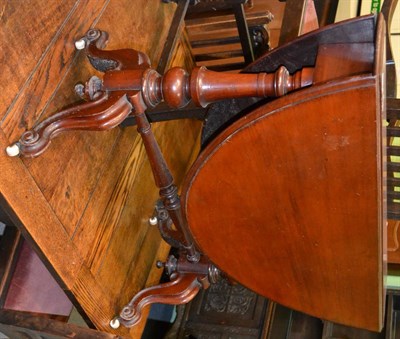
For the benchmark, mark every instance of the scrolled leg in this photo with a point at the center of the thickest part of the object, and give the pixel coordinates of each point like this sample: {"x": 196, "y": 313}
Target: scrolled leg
{"x": 105, "y": 60}
{"x": 182, "y": 288}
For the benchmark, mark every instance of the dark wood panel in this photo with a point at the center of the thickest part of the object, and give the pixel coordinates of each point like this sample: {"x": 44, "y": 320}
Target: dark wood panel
{"x": 353, "y": 59}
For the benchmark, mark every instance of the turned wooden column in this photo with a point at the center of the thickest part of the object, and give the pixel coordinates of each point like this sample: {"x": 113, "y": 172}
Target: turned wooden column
{"x": 109, "y": 105}
{"x": 177, "y": 87}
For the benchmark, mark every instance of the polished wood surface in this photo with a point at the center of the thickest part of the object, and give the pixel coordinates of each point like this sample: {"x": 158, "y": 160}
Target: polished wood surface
{"x": 297, "y": 214}
{"x": 293, "y": 194}
{"x": 130, "y": 86}
{"x": 91, "y": 230}
{"x": 299, "y": 18}
{"x": 84, "y": 204}
{"x": 302, "y": 52}
{"x": 356, "y": 58}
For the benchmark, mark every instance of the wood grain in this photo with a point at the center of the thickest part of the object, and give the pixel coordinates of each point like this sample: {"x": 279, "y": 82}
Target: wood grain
{"x": 69, "y": 196}
{"x": 85, "y": 231}
{"x": 25, "y": 44}
{"x": 142, "y": 199}
{"x": 66, "y": 190}
{"x": 292, "y": 192}
{"x": 84, "y": 203}
{"x": 92, "y": 296}
{"x": 118, "y": 200}
{"x": 50, "y": 70}
{"x": 152, "y": 280}
{"x": 357, "y": 58}
{"x": 41, "y": 225}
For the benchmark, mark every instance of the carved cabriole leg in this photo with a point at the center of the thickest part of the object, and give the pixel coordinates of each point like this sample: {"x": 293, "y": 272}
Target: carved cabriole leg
{"x": 105, "y": 60}
{"x": 188, "y": 276}
{"x": 182, "y": 288}
{"x": 128, "y": 71}
{"x": 105, "y": 113}
{"x": 186, "y": 281}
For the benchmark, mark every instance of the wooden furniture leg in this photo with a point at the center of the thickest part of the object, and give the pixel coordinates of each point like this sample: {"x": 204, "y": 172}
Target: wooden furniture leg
{"x": 180, "y": 290}
{"x": 186, "y": 281}
{"x": 130, "y": 86}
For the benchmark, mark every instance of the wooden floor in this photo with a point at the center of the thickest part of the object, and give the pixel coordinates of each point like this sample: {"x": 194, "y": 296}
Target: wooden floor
{"x": 84, "y": 203}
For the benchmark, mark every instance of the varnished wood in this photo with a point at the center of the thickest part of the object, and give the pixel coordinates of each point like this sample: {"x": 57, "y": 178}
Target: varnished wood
{"x": 285, "y": 218}
{"x": 85, "y": 202}
{"x": 207, "y": 87}
{"x": 100, "y": 292}
{"x": 105, "y": 113}
{"x": 297, "y": 54}
{"x": 186, "y": 280}
{"x": 130, "y": 85}
{"x": 163, "y": 178}
{"x": 293, "y": 204}
{"x": 181, "y": 289}
{"x": 34, "y": 95}
{"x": 357, "y": 58}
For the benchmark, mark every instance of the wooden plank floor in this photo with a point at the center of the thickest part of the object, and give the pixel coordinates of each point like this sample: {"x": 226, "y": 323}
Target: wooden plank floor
{"x": 84, "y": 203}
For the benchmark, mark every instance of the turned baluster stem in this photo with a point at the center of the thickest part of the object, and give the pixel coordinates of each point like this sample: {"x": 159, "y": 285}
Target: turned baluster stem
{"x": 162, "y": 176}
{"x": 177, "y": 88}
